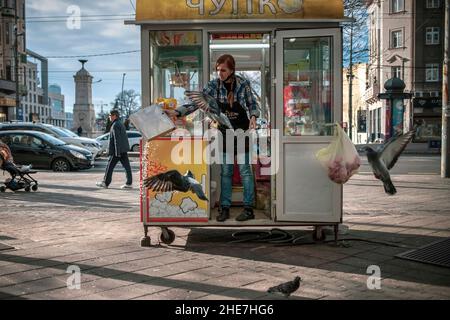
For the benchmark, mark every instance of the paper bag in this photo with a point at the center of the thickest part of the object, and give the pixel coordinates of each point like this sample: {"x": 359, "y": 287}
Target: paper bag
{"x": 152, "y": 122}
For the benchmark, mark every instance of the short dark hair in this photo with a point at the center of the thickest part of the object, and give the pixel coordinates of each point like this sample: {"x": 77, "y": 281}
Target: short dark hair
{"x": 114, "y": 113}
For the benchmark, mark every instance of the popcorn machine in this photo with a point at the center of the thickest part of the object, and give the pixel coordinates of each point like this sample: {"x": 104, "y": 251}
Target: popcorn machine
{"x": 290, "y": 51}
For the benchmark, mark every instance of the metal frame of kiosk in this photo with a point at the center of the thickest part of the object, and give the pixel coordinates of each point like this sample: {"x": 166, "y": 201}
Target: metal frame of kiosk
{"x": 301, "y": 87}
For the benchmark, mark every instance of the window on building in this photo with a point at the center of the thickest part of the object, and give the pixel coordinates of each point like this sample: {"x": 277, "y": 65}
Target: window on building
{"x": 432, "y": 72}
{"x": 7, "y": 33}
{"x": 432, "y": 35}
{"x": 432, "y": 4}
{"x": 8, "y": 72}
{"x": 435, "y": 94}
{"x": 396, "y": 72}
{"x": 397, "y": 39}
{"x": 29, "y": 73}
{"x": 397, "y": 6}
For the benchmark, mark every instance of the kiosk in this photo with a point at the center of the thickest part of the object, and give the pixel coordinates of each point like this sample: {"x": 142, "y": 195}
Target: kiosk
{"x": 291, "y": 52}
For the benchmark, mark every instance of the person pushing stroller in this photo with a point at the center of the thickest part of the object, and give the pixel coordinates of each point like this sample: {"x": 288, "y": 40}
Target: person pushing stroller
{"x": 24, "y": 180}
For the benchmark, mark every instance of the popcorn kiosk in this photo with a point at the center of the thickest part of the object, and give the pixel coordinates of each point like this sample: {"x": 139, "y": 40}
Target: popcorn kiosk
{"x": 291, "y": 52}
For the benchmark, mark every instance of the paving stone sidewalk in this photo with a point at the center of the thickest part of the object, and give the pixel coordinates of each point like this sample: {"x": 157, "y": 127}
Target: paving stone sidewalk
{"x": 71, "y": 222}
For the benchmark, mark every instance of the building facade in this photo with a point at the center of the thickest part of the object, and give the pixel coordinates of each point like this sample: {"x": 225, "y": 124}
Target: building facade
{"x": 35, "y": 104}
{"x": 9, "y": 10}
{"x": 56, "y": 102}
{"x": 359, "y": 107}
{"x": 69, "y": 121}
{"x": 406, "y": 41}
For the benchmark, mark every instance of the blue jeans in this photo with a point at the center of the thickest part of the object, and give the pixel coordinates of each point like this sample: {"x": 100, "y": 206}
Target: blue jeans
{"x": 226, "y": 182}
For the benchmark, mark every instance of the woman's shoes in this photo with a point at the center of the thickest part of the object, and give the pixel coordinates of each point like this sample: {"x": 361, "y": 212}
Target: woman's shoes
{"x": 247, "y": 214}
{"x": 224, "y": 214}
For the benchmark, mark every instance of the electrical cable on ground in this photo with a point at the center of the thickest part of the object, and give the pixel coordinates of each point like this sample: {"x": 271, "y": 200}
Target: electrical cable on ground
{"x": 283, "y": 238}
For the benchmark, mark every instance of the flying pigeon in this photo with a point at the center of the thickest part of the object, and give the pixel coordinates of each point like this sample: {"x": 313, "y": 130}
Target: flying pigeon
{"x": 286, "y": 288}
{"x": 383, "y": 160}
{"x": 209, "y": 105}
{"x": 173, "y": 181}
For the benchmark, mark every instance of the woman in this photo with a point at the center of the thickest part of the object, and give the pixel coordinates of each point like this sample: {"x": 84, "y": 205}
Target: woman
{"x": 236, "y": 100}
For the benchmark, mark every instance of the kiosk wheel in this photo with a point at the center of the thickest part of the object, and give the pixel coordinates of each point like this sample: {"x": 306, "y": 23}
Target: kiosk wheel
{"x": 319, "y": 234}
{"x": 167, "y": 235}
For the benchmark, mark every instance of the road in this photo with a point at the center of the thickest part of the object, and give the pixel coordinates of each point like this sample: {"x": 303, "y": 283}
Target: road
{"x": 407, "y": 164}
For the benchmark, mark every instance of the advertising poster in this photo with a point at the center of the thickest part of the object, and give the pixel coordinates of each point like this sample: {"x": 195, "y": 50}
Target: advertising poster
{"x": 397, "y": 117}
{"x": 163, "y": 156}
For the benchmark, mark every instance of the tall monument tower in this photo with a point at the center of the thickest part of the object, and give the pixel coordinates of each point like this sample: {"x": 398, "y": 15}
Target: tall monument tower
{"x": 83, "y": 109}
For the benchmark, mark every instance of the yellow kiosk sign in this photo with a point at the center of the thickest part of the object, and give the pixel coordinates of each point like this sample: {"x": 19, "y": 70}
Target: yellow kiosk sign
{"x": 238, "y": 9}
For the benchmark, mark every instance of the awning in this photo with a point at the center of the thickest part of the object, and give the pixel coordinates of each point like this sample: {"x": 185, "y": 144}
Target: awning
{"x": 226, "y": 10}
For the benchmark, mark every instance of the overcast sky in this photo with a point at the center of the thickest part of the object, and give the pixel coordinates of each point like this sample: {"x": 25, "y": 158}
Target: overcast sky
{"x": 102, "y": 31}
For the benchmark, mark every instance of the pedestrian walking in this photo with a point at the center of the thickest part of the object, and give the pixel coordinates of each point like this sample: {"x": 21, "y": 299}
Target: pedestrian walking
{"x": 118, "y": 148}
{"x": 80, "y": 131}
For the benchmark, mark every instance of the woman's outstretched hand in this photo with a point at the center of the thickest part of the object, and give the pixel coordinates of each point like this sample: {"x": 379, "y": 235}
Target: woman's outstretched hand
{"x": 171, "y": 113}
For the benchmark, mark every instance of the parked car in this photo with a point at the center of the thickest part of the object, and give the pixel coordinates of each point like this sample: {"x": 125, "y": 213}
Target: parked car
{"x": 42, "y": 150}
{"x": 134, "y": 137}
{"x": 60, "y": 133}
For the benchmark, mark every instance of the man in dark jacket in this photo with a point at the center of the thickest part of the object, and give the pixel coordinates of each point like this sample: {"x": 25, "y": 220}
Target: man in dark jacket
{"x": 118, "y": 148}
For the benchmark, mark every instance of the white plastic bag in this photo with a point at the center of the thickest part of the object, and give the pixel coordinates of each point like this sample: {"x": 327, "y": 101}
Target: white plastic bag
{"x": 152, "y": 122}
{"x": 340, "y": 159}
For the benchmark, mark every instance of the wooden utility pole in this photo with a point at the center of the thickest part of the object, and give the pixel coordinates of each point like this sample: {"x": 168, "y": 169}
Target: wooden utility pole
{"x": 445, "y": 144}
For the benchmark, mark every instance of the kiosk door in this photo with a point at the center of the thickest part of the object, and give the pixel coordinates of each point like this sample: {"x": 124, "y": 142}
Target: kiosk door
{"x": 308, "y": 102}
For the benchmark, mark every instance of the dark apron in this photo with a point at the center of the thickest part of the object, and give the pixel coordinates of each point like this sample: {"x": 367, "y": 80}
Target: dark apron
{"x": 238, "y": 119}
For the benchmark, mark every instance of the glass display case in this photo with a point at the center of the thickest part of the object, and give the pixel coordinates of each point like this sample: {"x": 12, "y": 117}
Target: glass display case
{"x": 307, "y": 86}
{"x": 176, "y": 64}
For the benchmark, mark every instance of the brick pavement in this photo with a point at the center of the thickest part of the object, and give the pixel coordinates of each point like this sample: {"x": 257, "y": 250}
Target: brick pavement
{"x": 71, "y": 222}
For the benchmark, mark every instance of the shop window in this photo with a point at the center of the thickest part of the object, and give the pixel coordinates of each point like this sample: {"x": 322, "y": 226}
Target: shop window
{"x": 176, "y": 61}
{"x": 396, "y": 72}
{"x": 397, "y": 39}
{"x": 397, "y": 6}
{"x": 308, "y": 86}
{"x": 432, "y": 35}
{"x": 432, "y": 72}
{"x": 433, "y": 4}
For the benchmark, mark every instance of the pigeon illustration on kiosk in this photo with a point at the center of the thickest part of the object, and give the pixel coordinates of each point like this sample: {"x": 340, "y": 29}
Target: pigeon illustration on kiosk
{"x": 172, "y": 180}
{"x": 383, "y": 160}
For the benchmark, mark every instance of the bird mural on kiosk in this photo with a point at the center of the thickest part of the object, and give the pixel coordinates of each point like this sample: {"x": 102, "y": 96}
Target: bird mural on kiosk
{"x": 173, "y": 180}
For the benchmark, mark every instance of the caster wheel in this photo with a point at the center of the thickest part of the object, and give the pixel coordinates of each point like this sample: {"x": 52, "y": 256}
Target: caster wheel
{"x": 27, "y": 189}
{"x": 145, "y": 242}
{"x": 167, "y": 236}
{"x": 2, "y": 189}
{"x": 319, "y": 234}
{"x": 34, "y": 187}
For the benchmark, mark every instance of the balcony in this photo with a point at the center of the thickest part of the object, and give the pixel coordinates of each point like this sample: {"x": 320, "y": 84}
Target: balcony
{"x": 7, "y": 86}
{"x": 8, "y": 12}
{"x": 371, "y": 94}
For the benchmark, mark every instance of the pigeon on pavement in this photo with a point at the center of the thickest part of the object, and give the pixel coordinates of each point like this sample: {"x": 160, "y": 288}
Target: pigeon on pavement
{"x": 209, "y": 105}
{"x": 383, "y": 160}
{"x": 286, "y": 288}
{"x": 173, "y": 181}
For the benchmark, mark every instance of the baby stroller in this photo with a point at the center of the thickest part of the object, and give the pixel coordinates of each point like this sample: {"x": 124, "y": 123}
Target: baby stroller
{"x": 20, "y": 175}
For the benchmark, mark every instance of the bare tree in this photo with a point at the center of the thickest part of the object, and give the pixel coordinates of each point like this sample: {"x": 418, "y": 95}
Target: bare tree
{"x": 126, "y": 102}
